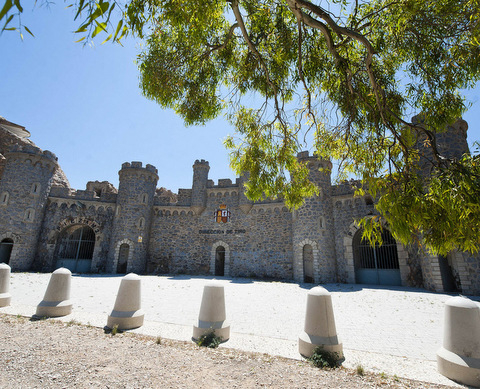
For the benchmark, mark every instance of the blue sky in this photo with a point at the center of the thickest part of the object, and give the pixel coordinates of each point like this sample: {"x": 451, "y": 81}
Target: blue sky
{"x": 84, "y": 104}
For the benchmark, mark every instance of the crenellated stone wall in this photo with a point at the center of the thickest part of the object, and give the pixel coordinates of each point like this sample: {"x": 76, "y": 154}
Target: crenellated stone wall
{"x": 209, "y": 229}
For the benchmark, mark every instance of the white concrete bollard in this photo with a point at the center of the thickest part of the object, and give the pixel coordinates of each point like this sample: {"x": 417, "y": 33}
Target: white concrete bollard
{"x": 459, "y": 358}
{"x": 127, "y": 313}
{"x": 212, "y": 313}
{"x": 56, "y": 301}
{"x": 319, "y": 330}
{"x": 5, "y": 296}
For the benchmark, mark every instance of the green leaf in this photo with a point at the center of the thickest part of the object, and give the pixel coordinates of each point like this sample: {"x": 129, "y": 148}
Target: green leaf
{"x": 100, "y": 27}
{"x": 82, "y": 28}
{"x": 28, "y": 30}
{"x": 119, "y": 26}
{"x": 107, "y": 39}
{"x": 19, "y": 7}
{"x": 9, "y": 19}
{"x": 80, "y": 7}
{"x": 6, "y": 7}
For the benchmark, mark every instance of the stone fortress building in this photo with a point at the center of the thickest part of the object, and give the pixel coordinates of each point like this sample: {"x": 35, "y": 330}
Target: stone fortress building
{"x": 209, "y": 229}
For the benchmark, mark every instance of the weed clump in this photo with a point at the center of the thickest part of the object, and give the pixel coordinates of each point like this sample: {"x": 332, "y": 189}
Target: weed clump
{"x": 210, "y": 340}
{"x": 114, "y": 330}
{"x": 322, "y": 359}
{"x": 360, "y": 370}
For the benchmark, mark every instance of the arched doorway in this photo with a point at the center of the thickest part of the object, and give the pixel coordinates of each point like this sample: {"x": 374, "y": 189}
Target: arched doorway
{"x": 75, "y": 248}
{"x": 308, "y": 264}
{"x": 123, "y": 252}
{"x": 220, "y": 261}
{"x": 6, "y": 246}
{"x": 377, "y": 265}
{"x": 450, "y": 284}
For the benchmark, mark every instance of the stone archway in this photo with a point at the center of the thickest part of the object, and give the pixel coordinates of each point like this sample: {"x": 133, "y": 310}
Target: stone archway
{"x": 220, "y": 261}
{"x": 11, "y": 243}
{"x": 308, "y": 276}
{"x": 299, "y": 262}
{"x": 6, "y": 246}
{"x": 123, "y": 255}
{"x": 75, "y": 248}
{"x": 225, "y": 253}
{"x": 348, "y": 247}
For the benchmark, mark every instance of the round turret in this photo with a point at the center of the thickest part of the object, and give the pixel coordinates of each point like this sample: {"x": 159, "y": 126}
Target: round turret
{"x": 133, "y": 215}
{"x": 24, "y": 189}
{"x": 319, "y": 169}
{"x": 199, "y": 186}
{"x": 451, "y": 143}
{"x": 313, "y": 240}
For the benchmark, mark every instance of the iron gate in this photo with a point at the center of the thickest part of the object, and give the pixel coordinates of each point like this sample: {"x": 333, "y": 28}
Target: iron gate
{"x": 76, "y": 250}
{"x": 377, "y": 264}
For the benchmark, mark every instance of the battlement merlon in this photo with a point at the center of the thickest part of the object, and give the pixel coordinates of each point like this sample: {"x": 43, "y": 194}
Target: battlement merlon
{"x": 201, "y": 164}
{"x": 304, "y": 156}
{"x": 136, "y": 167}
{"x": 34, "y": 154}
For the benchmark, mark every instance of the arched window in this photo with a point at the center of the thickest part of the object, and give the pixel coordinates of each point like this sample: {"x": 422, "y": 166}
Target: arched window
{"x": 377, "y": 264}
{"x": 141, "y": 223}
{"x": 144, "y": 198}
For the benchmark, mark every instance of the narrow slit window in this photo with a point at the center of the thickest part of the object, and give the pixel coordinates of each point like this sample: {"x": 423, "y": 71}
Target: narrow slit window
{"x": 4, "y": 198}
{"x": 29, "y": 215}
{"x": 35, "y": 188}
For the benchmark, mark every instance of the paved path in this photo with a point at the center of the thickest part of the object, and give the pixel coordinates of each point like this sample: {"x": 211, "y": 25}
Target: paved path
{"x": 394, "y": 330}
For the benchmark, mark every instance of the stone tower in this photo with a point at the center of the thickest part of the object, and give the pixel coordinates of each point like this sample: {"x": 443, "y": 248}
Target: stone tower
{"x": 451, "y": 143}
{"x": 24, "y": 189}
{"x": 199, "y": 186}
{"x": 244, "y": 203}
{"x": 133, "y": 214}
{"x": 313, "y": 226}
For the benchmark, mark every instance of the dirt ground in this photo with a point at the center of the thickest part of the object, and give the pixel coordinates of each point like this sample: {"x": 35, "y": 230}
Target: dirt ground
{"x": 52, "y": 354}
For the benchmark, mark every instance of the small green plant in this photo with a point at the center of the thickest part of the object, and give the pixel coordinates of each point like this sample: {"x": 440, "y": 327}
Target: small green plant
{"x": 324, "y": 359}
{"x": 114, "y": 330}
{"x": 159, "y": 340}
{"x": 360, "y": 370}
{"x": 383, "y": 375}
{"x": 210, "y": 340}
{"x": 73, "y": 322}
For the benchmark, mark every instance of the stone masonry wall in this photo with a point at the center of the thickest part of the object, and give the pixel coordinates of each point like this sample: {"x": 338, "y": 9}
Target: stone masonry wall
{"x": 259, "y": 243}
{"x": 62, "y": 214}
{"x": 23, "y": 200}
{"x": 133, "y": 214}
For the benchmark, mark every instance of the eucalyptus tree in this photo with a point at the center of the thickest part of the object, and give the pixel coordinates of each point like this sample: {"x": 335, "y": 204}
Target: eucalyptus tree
{"x": 341, "y": 77}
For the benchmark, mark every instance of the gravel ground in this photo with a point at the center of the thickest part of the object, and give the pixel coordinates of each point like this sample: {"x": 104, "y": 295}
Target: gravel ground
{"x": 394, "y": 331}
{"x": 55, "y": 354}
